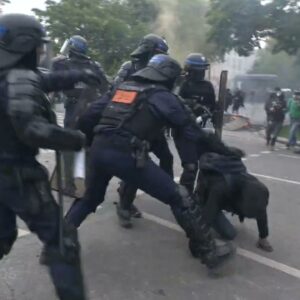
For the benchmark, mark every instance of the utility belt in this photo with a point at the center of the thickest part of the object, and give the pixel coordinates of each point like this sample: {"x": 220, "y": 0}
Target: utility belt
{"x": 138, "y": 148}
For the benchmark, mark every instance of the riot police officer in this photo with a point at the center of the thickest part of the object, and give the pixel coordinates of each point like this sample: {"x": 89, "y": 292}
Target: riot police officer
{"x": 27, "y": 124}
{"x": 129, "y": 121}
{"x": 149, "y": 46}
{"x": 73, "y": 56}
{"x": 199, "y": 95}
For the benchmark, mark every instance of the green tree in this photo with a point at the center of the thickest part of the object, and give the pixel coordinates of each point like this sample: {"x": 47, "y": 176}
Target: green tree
{"x": 242, "y": 24}
{"x": 112, "y": 27}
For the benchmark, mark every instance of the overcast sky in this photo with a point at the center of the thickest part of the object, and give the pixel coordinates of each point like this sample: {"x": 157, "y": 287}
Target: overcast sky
{"x": 23, "y": 6}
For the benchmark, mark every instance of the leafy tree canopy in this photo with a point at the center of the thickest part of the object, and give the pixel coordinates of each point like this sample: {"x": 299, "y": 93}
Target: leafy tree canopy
{"x": 242, "y": 25}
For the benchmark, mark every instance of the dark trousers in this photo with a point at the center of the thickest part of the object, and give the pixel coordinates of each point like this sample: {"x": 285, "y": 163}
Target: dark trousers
{"x": 272, "y": 131}
{"x": 25, "y": 192}
{"x": 108, "y": 161}
{"x": 161, "y": 150}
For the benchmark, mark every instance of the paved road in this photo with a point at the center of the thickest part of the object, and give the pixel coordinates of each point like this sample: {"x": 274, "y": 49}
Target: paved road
{"x": 151, "y": 261}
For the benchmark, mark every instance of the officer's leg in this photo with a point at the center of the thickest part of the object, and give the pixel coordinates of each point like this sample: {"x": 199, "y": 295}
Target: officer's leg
{"x": 96, "y": 185}
{"x": 32, "y": 201}
{"x": 188, "y": 176}
{"x": 8, "y": 230}
{"x": 127, "y": 192}
{"x": 125, "y": 207}
{"x": 187, "y": 212}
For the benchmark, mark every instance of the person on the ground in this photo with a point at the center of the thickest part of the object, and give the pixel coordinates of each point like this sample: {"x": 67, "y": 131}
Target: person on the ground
{"x": 150, "y": 45}
{"x": 225, "y": 184}
{"x": 275, "y": 108}
{"x": 294, "y": 113}
{"x": 73, "y": 56}
{"x": 129, "y": 121}
{"x": 27, "y": 123}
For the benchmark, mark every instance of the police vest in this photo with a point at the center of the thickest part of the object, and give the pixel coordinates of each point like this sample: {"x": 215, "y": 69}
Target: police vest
{"x": 198, "y": 92}
{"x": 129, "y": 110}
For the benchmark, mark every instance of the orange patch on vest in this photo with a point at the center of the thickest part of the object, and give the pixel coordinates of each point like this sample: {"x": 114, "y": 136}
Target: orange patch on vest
{"x": 126, "y": 97}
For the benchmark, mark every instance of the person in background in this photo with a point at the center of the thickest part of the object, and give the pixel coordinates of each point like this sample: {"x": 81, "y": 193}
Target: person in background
{"x": 275, "y": 108}
{"x": 228, "y": 100}
{"x": 294, "y": 112}
{"x": 238, "y": 101}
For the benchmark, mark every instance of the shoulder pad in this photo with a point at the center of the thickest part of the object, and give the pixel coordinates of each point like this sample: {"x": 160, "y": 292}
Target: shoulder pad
{"x": 23, "y": 84}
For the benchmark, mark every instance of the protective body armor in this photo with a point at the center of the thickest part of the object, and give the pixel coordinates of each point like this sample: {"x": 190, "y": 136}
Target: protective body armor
{"x": 129, "y": 111}
{"x": 81, "y": 90}
{"x": 198, "y": 92}
{"x": 19, "y": 84}
{"x": 126, "y": 70}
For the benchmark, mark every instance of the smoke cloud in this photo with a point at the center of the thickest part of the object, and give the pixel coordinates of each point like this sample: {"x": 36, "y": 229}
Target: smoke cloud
{"x": 183, "y": 24}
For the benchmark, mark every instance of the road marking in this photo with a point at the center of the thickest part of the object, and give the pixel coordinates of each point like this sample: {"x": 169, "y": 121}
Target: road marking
{"x": 22, "y": 233}
{"x": 289, "y": 156}
{"x": 276, "y": 178}
{"x": 242, "y": 252}
{"x": 254, "y": 155}
{"x": 244, "y": 159}
{"x": 265, "y": 152}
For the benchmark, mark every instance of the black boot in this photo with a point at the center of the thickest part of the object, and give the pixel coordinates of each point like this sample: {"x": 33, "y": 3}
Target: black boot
{"x": 135, "y": 212}
{"x": 201, "y": 243}
{"x": 65, "y": 268}
{"x": 124, "y": 216}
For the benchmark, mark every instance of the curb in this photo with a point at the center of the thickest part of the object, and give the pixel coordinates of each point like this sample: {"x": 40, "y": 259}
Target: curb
{"x": 280, "y": 140}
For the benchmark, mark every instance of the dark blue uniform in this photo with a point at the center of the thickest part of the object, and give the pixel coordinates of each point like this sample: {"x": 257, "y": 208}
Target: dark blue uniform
{"x": 159, "y": 147}
{"x": 27, "y": 123}
{"x": 76, "y": 100}
{"x": 115, "y": 153}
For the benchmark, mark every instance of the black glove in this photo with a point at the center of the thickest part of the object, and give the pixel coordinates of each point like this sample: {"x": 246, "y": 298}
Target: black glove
{"x": 90, "y": 78}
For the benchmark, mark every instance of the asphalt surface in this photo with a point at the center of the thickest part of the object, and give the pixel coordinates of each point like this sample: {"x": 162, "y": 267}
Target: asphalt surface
{"x": 151, "y": 261}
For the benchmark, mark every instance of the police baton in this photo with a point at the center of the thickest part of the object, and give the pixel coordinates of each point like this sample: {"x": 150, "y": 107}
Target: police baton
{"x": 60, "y": 202}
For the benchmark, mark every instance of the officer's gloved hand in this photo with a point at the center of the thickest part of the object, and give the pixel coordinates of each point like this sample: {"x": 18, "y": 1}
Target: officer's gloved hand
{"x": 90, "y": 78}
{"x": 237, "y": 152}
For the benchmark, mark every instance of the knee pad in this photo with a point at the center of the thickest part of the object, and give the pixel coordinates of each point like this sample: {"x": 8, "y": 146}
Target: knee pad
{"x": 7, "y": 243}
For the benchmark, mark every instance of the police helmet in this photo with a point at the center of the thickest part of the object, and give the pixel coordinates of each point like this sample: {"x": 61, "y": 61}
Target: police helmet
{"x": 151, "y": 44}
{"x": 196, "y": 61}
{"x": 161, "y": 68}
{"x": 19, "y": 35}
{"x": 76, "y": 44}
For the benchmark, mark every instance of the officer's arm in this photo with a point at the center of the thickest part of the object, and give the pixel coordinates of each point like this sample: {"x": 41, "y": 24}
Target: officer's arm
{"x": 32, "y": 118}
{"x": 122, "y": 74}
{"x": 61, "y": 80}
{"x": 36, "y": 131}
{"x": 91, "y": 117}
